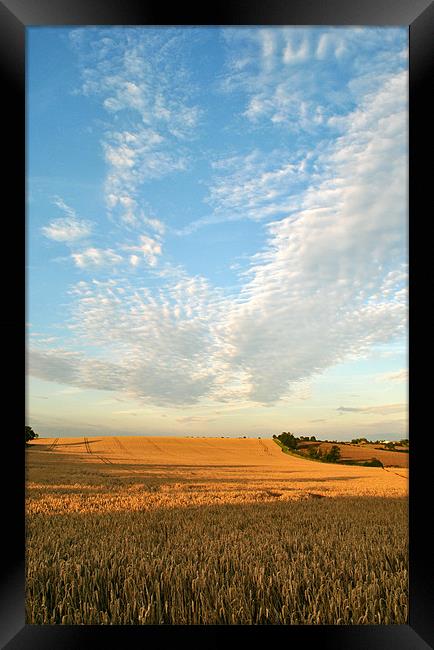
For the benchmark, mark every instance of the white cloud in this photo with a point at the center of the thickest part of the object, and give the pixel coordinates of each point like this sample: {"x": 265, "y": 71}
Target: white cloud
{"x": 300, "y": 98}
{"x": 144, "y": 86}
{"x": 96, "y": 257}
{"x": 316, "y": 295}
{"x": 66, "y": 229}
{"x": 382, "y": 409}
{"x": 60, "y": 203}
{"x": 149, "y": 248}
{"x": 328, "y": 285}
{"x": 254, "y": 186}
{"x": 331, "y": 44}
{"x": 155, "y": 224}
{"x": 296, "y": 54}
{"x": 399, "y": 376}
{"x": 121, "y": 156}
{"x": 135, "y": 158}
{"x": 157, "y": 348}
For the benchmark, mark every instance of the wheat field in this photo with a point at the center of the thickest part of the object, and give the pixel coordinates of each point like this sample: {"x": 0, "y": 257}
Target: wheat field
{"x": 135, "y": 530}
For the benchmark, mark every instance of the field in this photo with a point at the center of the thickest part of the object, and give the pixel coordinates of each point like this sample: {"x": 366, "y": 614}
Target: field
{"x": 363, "y": 453}
{"x": 135, "y": 530}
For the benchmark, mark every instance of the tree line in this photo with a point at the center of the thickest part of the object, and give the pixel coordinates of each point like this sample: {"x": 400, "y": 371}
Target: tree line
{"x": 291, "y": 442}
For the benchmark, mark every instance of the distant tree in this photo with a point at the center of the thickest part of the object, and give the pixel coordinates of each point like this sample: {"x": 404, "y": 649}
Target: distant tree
{"x": 288, "y": 440}
{"x": 333, "y": 455}
{"x": 313, "y": 439}
{"x": 315, "y": 452}
{"x": 30, "y": 434}
{"x": 404, "y": 442}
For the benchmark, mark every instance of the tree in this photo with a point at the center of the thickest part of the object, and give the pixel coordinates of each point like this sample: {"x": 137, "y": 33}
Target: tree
{"x": 333, "y": 455}
{"x": 30, "y": 434}
{"x": 288, "y": 440}
{"x": 313, "y": 439}
{"x": 315, "y": 452}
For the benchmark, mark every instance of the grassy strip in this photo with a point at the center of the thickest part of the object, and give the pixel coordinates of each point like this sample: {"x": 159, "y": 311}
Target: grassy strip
{"x": 291, "y": 452}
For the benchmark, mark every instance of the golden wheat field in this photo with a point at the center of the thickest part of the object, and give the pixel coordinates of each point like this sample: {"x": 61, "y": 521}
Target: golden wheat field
{"x": 141, "y": 530}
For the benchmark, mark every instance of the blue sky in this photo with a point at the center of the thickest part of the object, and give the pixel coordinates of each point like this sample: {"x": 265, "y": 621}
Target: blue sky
{"x": 217, "y": 230}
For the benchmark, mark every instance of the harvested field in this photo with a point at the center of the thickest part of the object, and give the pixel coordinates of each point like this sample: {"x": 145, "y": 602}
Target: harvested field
{"x": 134, "y": 530}
{"x": 363, "y": 452}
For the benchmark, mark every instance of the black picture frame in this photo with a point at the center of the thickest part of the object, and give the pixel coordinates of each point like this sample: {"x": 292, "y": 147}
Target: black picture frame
{"x": 15, "y": 17}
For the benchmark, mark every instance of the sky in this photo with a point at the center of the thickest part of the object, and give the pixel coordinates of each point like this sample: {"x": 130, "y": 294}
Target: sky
{"x": 217, "y": 231}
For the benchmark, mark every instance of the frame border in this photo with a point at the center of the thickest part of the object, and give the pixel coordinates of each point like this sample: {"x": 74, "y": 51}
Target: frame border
{"x": 15, "y": 17}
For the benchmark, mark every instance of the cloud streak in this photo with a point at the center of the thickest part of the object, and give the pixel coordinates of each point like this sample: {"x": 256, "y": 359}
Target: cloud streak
{"x": 385, "y": 409}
